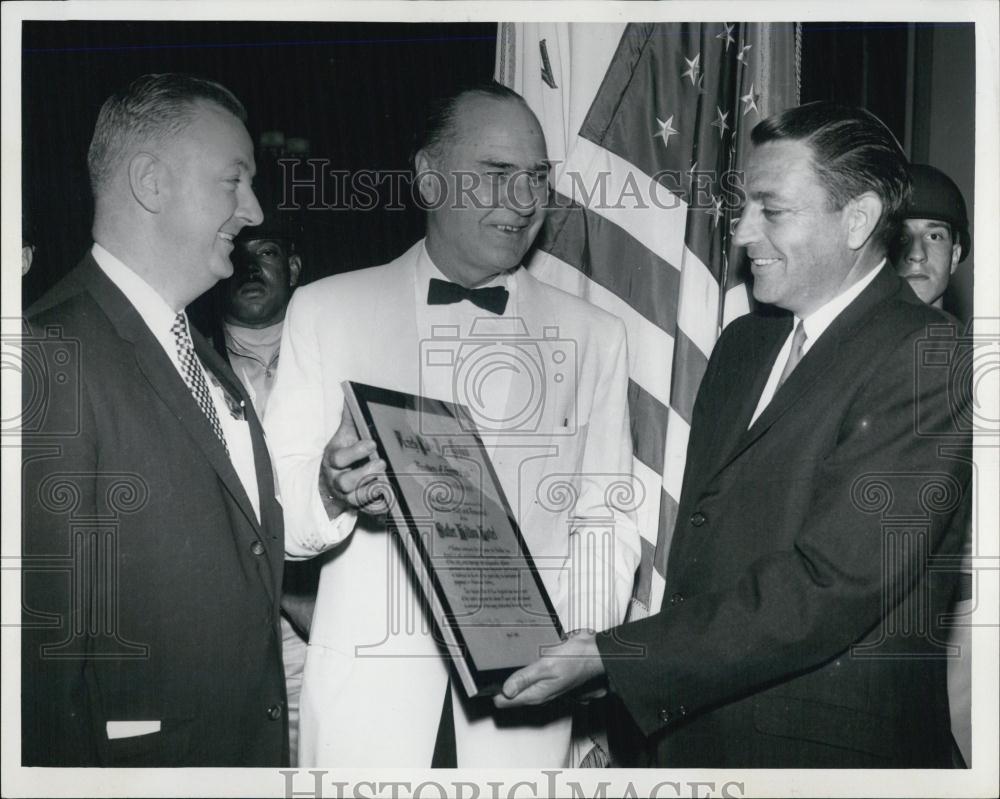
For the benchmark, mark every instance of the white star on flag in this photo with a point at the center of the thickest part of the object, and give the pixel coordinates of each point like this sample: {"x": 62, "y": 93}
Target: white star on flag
{"x": 693, "y": 69}
{"x": 720, "y": 121}
{"x": 751, "y": 102}
{"x": 727, "y": 35}
{"x": 716, "y": 210}
{"x": 666, "y": 130}
{"x": 743, "y": 51}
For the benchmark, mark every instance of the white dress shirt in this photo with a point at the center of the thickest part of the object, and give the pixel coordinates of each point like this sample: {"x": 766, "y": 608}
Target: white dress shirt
{"x": 815, "y": 325}
{"x": 159, "y": 318}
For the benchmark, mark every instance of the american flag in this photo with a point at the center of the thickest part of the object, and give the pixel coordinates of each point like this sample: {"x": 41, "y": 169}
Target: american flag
{"x": 648, "y": 126}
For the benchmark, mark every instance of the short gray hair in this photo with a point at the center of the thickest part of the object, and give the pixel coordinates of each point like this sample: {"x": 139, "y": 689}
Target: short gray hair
{"x": 150, "y": 109}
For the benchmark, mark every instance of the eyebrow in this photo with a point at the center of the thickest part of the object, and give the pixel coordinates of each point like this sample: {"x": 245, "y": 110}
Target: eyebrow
{"x": 541, "y": 166}
{"x": 762, "y": 196}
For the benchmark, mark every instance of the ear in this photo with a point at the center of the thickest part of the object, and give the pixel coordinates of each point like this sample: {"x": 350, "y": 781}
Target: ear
{"x": 956, "y": 254}
{"x": 294, "y": 269}
{"x": 428, "y": 180}
{"x": 145, "y": 179}
{"x": 863, "y": 214}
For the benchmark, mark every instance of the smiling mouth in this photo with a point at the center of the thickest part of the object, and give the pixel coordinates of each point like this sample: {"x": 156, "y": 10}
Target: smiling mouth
{"x": 509, "y": 229}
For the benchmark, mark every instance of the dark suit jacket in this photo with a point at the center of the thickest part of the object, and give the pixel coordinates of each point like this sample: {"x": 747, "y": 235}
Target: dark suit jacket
{"x": 150, "y": 590}
{"x": 300, "y": 579}
{"x": 798, "y": 627}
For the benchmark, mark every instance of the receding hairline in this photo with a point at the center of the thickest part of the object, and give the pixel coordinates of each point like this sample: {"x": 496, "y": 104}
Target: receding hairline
{"x": 463, "y": 129}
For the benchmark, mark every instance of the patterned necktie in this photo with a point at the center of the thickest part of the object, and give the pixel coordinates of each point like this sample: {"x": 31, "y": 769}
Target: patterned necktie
{"x": 798, "y": 341}
{"x": 194, "y": 377}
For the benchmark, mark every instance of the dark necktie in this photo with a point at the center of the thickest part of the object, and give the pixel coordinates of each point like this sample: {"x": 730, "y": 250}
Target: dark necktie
{"x": 492, "y": 299}
{"x": 194, "y": 377}
{"x": 795, "y": 355}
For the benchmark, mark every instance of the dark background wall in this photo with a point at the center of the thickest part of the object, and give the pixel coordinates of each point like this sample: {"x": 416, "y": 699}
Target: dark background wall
{"x": 355, "y": 92}
{"x": 918, "y": 78}
{"x": 943, "y": 131}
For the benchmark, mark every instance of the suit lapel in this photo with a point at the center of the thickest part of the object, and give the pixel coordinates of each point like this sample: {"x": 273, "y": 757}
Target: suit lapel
{"x": 214, "y": 363}
{"x": 820, "y": 359}
{"x": 269, "y": 519}
{"x": 752, "y": 372}
{"x": 163, "y": 378}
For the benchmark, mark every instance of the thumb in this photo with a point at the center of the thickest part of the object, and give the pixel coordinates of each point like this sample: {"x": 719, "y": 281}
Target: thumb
{"x": 513, "y": 686}
{"x": 347, "y": 433}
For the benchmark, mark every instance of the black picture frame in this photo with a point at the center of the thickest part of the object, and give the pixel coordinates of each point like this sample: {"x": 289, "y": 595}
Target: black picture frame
{"x": 473, "y": 642}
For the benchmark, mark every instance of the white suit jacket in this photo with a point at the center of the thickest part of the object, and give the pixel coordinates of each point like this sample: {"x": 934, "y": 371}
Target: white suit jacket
{"x": 375, "y": 677}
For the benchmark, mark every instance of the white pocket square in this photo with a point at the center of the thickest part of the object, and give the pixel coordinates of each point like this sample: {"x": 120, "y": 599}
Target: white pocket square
{"x": 131, "y": 729}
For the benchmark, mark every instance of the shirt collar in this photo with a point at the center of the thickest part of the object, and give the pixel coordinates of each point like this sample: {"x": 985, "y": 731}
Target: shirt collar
{"x": 153, "y": 309}
{"x": 819, "y": 320}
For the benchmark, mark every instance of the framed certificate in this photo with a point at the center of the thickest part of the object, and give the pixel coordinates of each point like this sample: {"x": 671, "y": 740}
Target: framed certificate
{"x": 459, "y": 533}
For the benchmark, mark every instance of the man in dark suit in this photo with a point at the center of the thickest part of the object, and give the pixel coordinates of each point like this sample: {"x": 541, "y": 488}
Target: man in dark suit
{"x": 152, "y": 540}
{"x": 826, "y": 469}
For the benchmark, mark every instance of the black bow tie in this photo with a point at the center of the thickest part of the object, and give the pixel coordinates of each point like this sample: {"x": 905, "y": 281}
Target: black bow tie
{"x": 492, "y": 299}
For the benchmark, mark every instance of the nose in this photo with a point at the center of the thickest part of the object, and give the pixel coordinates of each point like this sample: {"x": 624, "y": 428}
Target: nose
{"x": 746, "y": 229}
{"x": 526, "y": 193}
{"x": 915, "y": 252}
{"x": 249, "y": 265}
{"x": 249, "y": 209}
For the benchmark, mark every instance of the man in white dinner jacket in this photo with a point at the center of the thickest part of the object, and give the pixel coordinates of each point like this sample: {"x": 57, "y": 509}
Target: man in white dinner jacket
{"x": 544, "y": 375}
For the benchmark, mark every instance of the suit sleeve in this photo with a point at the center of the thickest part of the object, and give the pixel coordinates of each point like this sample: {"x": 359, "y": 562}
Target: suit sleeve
{"x": 604, "y": 557}
{"x": 59, "y": 482}
{"x": 300, "y": 421}
{"x": 797, "y": 607}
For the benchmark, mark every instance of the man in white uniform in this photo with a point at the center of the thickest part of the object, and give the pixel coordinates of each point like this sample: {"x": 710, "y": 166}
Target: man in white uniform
{"x": 544, "y": 375}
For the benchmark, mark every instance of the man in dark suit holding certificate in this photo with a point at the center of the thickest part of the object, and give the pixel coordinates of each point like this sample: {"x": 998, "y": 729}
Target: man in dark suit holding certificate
{"x": 826, "y": 468}
{"x": 153, "y": 544}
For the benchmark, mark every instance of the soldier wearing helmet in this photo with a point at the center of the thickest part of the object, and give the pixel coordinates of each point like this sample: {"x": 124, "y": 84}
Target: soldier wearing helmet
{"x": 934, "y": 236}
